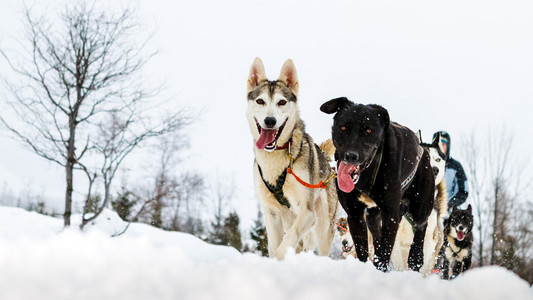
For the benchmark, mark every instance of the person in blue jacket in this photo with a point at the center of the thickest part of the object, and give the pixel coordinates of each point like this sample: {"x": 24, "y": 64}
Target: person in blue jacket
{"x": 456, "y": 181}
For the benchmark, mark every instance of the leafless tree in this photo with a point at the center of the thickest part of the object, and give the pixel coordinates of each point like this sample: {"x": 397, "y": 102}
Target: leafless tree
{"x": 79, "y": 93}
{"x": 499, "y": 183}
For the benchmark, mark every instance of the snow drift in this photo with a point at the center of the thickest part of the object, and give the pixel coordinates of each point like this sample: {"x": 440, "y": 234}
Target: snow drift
{"x": 40, "y": 260}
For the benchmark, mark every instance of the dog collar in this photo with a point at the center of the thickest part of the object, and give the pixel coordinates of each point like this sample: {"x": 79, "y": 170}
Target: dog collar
{"x": 285, "y": 146}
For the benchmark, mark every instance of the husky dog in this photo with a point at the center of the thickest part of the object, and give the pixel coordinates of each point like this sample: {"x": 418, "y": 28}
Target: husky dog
{"x": 345, "y": 238}
{"x": 296, "y": 216}
{"x": 435, "y": 231}
{"x": 457, "y": 248}
{"x": 384, "y": 161}
{"x": 347, "y": 246}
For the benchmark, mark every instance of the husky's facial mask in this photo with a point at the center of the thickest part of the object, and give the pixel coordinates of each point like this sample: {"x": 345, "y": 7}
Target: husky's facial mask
{"x": 272, "y": 109}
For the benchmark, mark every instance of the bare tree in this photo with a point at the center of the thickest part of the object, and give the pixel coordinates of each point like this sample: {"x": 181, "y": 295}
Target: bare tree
{"x": 79, "y": 80}
{"x": 499, "y": 191}
{"x": 475, "y": 165}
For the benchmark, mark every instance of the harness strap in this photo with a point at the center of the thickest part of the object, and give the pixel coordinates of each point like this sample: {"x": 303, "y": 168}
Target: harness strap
{"x": 410, "y": 220}
{"x": 321, "y": 184}
{"x": 453, "y": 252}
{"x": 343, "y": 228}
{"x": 412, "y": 174}
{"x": 277, "y": 190}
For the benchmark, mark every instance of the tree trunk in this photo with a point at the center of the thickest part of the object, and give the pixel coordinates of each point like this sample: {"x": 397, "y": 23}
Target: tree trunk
{"x": 494, "y": 224}
{"x": 69, "y": 170}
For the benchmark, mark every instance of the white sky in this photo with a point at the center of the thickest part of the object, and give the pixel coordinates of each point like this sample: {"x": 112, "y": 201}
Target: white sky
{"x": 457, "y": 66}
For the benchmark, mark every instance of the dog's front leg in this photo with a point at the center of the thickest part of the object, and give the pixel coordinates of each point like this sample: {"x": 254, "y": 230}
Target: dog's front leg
{"x": 457, "y": 267}
{"x": 416, "y": 253}
{"x": 274, "y": 228}
{"x": 305, "y": 217}
{"x": 358, "y": 230}
{"x": 390, "y": 220}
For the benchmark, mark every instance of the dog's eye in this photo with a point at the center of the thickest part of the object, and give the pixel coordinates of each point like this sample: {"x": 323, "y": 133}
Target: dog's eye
{"x": 260, "y": 101}
{"x": 438, "y": 160}
{"x": 368, "y": 130}
{"x": 282, "y": 102}
{"x": 343, "y": 128}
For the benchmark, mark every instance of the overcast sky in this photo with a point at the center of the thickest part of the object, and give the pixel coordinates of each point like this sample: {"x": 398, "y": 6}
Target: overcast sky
{"x": 459, "y": 66}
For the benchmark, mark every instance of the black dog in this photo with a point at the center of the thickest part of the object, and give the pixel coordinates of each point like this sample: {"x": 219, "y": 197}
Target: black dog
{"x": 384, "y": 161}
{"x": 456, "y": 251}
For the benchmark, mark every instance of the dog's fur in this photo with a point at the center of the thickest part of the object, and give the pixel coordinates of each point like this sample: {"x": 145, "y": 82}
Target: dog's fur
{"x": 457, "y": 249}
{"x": 308, "y": 221}
{"x": 380, "y": 155}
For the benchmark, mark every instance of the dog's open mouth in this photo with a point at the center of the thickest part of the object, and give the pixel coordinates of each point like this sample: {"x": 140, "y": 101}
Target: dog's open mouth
{"x": 268, "y": 138}
{"x": 460, "y": 235}
{"x": 348, "y": 175}
{"x": 347, "y": 249}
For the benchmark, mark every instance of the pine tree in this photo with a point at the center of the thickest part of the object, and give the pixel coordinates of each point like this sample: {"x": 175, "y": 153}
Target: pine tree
{"x": 258, "y": 234}
{"x": 124, "y": 203}
{"x": 231, "y": 235}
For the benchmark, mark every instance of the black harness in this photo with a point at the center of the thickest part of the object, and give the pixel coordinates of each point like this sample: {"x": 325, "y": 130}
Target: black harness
{"x": 277, "y": 190}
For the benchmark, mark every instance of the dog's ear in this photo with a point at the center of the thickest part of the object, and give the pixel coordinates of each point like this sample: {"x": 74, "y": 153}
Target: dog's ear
{"x": 257, "y": 74}
{"x": 334, "y": 105}
{"x": 419, "y": 136}
{"x": 469, "y": 208}
{"x": 383, "y": 114}
{"x": 288, "y": 75}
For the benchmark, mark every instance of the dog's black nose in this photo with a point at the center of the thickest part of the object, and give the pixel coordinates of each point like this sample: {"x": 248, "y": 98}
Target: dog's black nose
{"x": 270, "y": 122}
{"x": 344, "y": 243}
{"x": 435, "y": 171}
{"x": 351, "y": 157}
{"x": 461, "y": 228}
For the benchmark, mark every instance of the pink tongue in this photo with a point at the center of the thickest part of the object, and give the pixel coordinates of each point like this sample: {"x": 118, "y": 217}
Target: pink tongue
{"x": 267, "y": 137}
{"x": 344, "y": 179}
{"x": 460, "y": 235}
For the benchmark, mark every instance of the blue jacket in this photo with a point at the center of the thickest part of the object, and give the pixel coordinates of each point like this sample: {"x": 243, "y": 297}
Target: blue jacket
{"x": 456, "y": 183}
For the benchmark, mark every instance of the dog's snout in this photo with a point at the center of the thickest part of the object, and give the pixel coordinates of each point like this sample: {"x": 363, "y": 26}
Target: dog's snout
{"x": 270, "y": 122}
{"x": 344, "y": 243}
{"x": 461, "y": 228}
{"x": 351, "y": 157}
{"x": 435, "y": 171}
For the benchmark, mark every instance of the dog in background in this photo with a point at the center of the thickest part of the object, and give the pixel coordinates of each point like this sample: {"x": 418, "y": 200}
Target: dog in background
{"x": 296, "y": 216}
{"x": 346, "y": 241}
{"x": 457, "y": 249}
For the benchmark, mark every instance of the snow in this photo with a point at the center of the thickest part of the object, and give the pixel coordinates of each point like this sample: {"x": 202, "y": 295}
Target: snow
{"x": 40, "y": 260}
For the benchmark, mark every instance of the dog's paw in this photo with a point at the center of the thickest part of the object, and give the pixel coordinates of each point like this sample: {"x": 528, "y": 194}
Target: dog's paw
{"x": 380, "y": 265}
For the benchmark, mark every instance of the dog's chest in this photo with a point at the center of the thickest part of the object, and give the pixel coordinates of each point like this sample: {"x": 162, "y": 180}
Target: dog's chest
{"x": 455, "y": 252}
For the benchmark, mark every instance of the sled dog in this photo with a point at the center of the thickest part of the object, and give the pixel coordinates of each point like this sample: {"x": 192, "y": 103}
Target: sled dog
{"x": 347, "y": 246}
{"x": 286, "y": 159}
{"x": 435, "y": 231}
{"x": 457, "y": 248}
{"x": 384, "y": 161}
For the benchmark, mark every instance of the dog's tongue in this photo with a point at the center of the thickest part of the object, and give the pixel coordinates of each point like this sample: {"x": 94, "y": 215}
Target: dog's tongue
{"x": 267, "y": 137}
{"x": 460, "y": 235}
{"x": 344, "y": 178}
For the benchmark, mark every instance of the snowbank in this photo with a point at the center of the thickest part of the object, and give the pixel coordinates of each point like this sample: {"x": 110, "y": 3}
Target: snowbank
{"x": 38, "y": 260}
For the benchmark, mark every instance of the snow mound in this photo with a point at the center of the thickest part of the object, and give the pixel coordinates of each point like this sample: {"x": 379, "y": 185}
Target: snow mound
{"x": 39, "y": 260}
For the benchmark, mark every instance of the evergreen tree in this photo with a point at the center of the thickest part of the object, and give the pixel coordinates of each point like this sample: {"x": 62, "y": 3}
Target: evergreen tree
{"x": 231, "y": 235}
{"x": 258, "y": 234}
{"x": 123, "y": 204}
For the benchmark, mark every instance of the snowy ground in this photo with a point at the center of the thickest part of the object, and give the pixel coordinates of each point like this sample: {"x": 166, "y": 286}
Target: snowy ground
{"x": 38, "y": 260}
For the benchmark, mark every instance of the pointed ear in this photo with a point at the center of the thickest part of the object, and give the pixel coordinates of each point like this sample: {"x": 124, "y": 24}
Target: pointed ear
{"x": 419, "y": 136}
{"x": 382, "y": 113}
{"x": 334, "y": 105}
{"x": 257, "y": 74}
{"x": 469, "y": 208}
{"x": 288, "y": 75}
